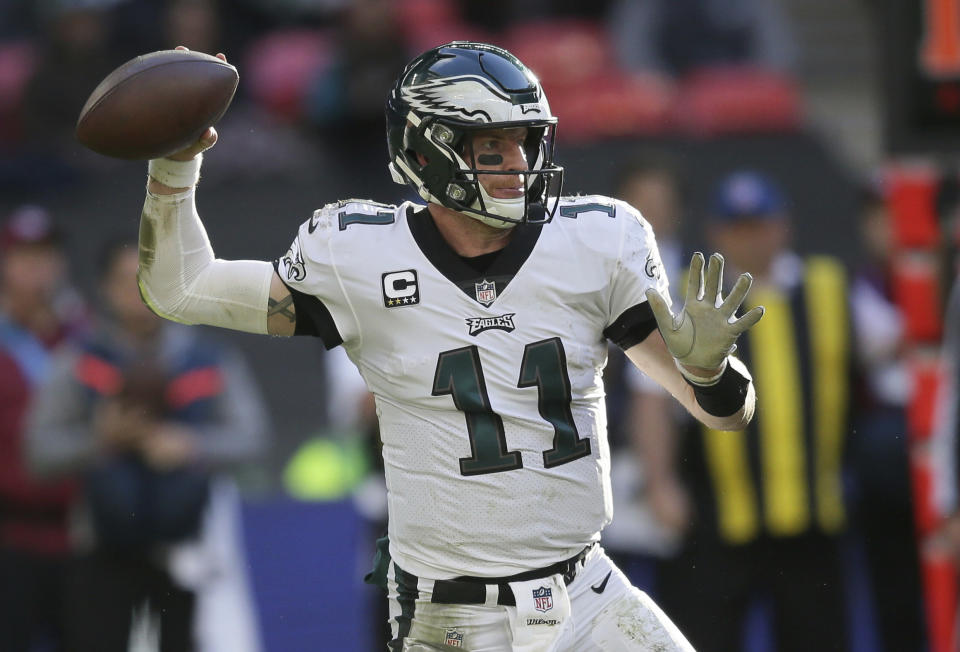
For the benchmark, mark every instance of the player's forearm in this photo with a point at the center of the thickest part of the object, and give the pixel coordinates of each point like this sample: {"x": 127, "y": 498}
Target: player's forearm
{"x": 727, "y": 406}
{"x": 179, "y": 277}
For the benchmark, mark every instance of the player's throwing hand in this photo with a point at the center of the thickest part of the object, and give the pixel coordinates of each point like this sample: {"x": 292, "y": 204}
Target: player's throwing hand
{"x": 703, "y": 334}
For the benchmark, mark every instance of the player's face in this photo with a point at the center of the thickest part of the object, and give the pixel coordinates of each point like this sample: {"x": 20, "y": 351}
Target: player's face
{"x": 501, "y": 150}
{"x": 751, "y": 245}
{"x": 655, "y": 195}
{"x": 32, "y": 271}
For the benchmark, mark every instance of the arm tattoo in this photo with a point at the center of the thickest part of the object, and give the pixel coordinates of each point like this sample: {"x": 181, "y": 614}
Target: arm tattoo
{"x": 281, "y": 307}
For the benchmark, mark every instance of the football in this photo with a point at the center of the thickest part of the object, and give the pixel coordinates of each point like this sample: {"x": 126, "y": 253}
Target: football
{"x": 156, "y": 104}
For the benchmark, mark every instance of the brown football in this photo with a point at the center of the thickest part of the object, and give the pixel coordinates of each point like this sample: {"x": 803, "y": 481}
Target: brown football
{"x": 156, "y": 104}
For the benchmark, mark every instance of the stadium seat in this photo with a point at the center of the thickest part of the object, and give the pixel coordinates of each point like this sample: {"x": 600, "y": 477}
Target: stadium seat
{"x": 280, "y": 67}
{"x": 737, "y": 99}
{"x": 592, "y": 96}
{"x": 616, "y": 104}
{"x": 913, "y": 191}
{"x": 562, "y": 52}
{"x": 428, "y": 23}
{"x": 916, "y": 289}
{"x": 926, "y": 376}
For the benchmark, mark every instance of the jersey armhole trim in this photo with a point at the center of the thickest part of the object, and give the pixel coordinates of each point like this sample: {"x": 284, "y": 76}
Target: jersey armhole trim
{"x": 313, "y": 317}
{"x": 632, "y": 327}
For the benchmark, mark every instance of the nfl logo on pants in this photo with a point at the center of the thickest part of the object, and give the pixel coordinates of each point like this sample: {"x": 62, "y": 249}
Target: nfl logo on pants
{"x": 543, "y": 599}
{"x": 453, "y": 638}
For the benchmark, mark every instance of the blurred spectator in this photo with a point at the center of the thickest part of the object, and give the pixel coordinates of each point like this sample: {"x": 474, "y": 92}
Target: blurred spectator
{"x": 768, "y": 501}
{"x": 880, "y": 452}
{"x": 192, "y": 23}
{"x": 149, "y": 416}
{"x": 346, "y": 99}
{"x": 38, "y": 312}
{"x": 650, "y": 505}
{"x": 675, "y": 37}
{"x": 74, "y": 58}
{"x": 651, "y": 183}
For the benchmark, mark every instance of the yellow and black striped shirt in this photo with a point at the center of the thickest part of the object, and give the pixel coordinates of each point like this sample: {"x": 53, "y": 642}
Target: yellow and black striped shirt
{"x": 782, "y": 476}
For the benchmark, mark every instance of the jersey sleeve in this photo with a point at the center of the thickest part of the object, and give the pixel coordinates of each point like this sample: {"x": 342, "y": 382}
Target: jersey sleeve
{"x": 309, "y": 272}
{"x": 638, "y": 268}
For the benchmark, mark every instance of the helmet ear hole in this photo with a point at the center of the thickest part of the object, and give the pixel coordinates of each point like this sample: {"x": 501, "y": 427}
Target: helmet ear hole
{"x": 457, "y": 193}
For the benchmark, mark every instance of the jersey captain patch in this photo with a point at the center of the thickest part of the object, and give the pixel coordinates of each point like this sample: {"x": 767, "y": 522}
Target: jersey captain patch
{"x": 400, "y": 288}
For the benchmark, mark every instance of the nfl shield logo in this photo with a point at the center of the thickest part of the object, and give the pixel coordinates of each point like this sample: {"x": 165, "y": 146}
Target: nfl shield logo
{"x": 543, "y": 599}
{"x": 453, "y": 638}
{"x": 486, "y": 292}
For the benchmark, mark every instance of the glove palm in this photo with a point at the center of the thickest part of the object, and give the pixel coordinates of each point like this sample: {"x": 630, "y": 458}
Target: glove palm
{"x": 704, "y": 333}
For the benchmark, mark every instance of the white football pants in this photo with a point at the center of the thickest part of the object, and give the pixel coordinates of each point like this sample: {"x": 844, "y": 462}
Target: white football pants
{"x": 607, "y": 615}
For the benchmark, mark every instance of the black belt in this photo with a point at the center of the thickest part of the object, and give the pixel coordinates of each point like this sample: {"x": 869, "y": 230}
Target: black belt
{"x": 473, "y": 590}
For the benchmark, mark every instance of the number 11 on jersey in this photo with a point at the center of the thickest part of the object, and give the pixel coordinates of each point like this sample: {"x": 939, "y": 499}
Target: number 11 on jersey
{"x": 544, "y": 365}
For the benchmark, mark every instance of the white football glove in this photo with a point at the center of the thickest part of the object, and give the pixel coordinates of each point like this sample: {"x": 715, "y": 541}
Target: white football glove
{"x": 704, "y": 333}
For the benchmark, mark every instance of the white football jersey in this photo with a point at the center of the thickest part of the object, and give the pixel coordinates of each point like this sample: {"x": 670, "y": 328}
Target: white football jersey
{"x": 488, "y": 386}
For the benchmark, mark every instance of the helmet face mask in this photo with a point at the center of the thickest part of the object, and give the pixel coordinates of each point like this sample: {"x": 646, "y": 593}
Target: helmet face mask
{"x": 441, "y": 101}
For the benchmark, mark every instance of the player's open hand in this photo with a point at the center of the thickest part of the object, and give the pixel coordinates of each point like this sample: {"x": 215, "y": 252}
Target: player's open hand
{"x": 704, "y": 333}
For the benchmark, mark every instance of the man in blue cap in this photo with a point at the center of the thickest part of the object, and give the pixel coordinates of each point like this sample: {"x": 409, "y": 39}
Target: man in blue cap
{"x": 768, "y": 503}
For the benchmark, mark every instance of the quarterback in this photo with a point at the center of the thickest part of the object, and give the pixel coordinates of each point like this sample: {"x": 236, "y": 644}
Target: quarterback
{"x": 479, "y": 321}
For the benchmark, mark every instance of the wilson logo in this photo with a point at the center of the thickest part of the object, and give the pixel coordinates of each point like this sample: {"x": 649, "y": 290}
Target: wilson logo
{"x": 479, "y": 324}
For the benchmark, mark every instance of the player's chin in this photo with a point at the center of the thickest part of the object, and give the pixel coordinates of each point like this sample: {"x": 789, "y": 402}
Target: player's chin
{"x": 506, "y": 193}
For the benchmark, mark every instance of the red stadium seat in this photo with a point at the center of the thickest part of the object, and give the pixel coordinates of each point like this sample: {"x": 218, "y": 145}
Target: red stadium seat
{"x": 916, "y": 289}
{"x": 562, "y": 52}
{"x": 737, "y": 99}
{"x": 913, "y": 191}
{"x": 428, "y": 23}
{"x": 926, "y": 375}
{"x": 615, "y": 105}
{"x": 940, "y": 579}
{"x": 280, "y": 67}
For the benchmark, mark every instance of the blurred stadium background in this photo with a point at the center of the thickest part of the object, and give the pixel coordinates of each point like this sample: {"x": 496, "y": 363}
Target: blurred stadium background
{"x": 826, "y": 96}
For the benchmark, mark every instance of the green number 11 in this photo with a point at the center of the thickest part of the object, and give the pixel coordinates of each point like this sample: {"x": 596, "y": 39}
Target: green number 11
{"x": 544, "y": 365}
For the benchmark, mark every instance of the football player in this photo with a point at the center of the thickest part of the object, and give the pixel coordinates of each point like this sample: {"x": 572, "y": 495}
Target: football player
{"x": 479, "y": 322}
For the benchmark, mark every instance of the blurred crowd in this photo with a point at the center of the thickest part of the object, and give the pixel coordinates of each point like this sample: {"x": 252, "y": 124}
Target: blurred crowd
{"x": 321, "y": 67}
{"x": 121, "y": 435}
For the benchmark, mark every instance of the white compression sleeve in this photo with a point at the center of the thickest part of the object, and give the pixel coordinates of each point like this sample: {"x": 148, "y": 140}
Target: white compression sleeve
{"x": 181, "y": 280}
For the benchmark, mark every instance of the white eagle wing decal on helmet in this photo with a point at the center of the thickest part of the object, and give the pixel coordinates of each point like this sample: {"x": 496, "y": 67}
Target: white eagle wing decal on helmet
{"x": 470, "y": 97}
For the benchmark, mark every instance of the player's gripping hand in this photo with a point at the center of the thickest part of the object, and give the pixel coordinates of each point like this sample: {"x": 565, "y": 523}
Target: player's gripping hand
{"x": 704, "y": 333}
{"x": 168, "y": 178}
{"x": 207, "y": 139}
